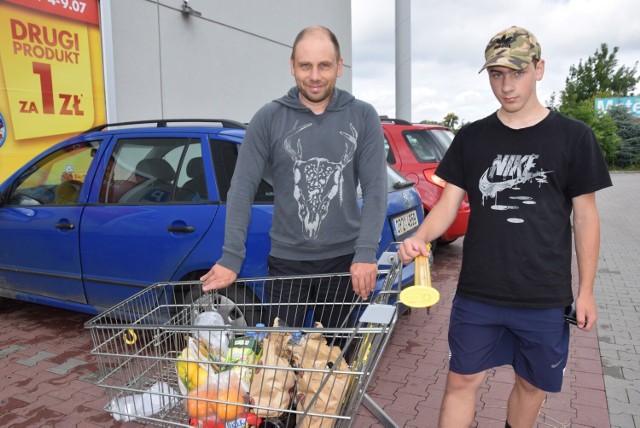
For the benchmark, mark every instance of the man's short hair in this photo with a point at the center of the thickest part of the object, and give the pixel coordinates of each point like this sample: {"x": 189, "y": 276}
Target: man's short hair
{"x": 316, "y": 28}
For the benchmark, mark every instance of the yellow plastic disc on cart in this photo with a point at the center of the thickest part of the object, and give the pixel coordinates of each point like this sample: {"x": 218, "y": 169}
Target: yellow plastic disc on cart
{"x": 422, "y": 294}
{"x": 419, "y": 296}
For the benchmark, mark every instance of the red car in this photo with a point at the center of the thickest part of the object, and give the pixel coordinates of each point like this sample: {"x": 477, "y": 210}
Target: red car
{"x": 415, "y": 150}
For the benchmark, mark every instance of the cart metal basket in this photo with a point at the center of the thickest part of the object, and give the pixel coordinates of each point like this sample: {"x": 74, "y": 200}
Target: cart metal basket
{"x": 160, "y": 364}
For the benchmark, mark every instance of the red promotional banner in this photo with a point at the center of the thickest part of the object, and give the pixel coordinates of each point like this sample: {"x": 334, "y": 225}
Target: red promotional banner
{"x": 78, "y": 10}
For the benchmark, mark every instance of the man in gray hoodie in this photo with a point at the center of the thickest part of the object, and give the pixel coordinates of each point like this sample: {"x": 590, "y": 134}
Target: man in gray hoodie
{"x": 317, "y": 143}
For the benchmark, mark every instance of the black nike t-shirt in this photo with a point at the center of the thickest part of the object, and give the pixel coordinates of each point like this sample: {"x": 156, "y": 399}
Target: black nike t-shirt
{"x": 520, "y": 184}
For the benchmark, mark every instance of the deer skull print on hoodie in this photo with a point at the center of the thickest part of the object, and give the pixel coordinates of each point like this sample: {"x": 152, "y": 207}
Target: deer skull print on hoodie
{"x": 315, "y": 164}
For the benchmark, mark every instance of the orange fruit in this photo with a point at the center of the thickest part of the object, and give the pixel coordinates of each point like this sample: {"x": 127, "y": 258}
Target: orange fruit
{"x": 199, "y": 408}
{"x": 233, "y": 404}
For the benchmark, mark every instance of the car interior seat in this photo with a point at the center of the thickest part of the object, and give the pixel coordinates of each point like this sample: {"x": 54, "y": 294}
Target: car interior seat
{"x": 196, "y": 187}
{"x": 155, "y": 177}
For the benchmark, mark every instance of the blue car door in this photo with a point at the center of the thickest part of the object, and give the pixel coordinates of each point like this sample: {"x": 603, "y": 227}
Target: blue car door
{"x": 40, "y": 220}
{"x": 148, "y": 216}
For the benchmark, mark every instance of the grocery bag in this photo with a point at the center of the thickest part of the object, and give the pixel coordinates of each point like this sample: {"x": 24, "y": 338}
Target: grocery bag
{"x": 217, "y": 337}
{"x": 273, "y": 383}
{"x": 217, "y": 403}
{"x": 196, "y": 365}
{"x": 314, "y": 353}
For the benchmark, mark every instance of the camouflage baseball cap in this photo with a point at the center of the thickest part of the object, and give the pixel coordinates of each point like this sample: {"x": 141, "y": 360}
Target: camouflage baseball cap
{"x": 514, "y": 48}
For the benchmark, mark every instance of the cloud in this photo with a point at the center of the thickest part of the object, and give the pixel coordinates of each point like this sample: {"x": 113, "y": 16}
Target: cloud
{"x": 448, "y": 41}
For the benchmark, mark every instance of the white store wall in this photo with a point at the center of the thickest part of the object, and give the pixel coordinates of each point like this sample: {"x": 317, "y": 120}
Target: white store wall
{"x": 227, "y": 63}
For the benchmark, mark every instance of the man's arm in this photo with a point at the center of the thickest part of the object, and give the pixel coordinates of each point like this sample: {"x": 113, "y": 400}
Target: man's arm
{"x": 373, "y": 181}
{"x": 246, "y": 178}
{"x": 372, "y": 175}
{"x": 586, "y": 225}
{"x": 434, "y": 225}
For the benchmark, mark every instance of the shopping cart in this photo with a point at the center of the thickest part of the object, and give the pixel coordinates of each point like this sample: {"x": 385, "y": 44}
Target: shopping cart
{"x": 160, "y": 364}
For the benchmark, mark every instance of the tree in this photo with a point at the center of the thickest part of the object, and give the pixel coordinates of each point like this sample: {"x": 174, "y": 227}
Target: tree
{"x": 451, "y": 120}
{"x": 429, "y": 122}
{"x": 628, "y": 130}
{"x": 599, "y": 76}
{"x": 603, "y": 125}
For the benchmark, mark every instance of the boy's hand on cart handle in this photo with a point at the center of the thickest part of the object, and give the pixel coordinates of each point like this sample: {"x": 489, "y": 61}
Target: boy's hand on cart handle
{"x": 363, "y": 278}
{"x": 411, "y": 248}
{"x": 218, "y": 277}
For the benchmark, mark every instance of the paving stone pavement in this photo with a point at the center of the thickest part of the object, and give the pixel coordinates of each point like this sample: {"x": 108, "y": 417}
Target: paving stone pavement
{"x": 47, "y": 372}
{"x": 618, "y": 295}
{"x": 412, "y": 373}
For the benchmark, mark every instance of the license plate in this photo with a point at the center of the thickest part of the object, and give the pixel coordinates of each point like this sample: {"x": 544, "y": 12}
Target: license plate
{"x": 405, "y": 223}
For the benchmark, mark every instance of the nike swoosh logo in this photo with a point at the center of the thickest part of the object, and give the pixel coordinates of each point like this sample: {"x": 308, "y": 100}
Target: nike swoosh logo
{"x": 491, "y": 188}
{"x": 553, "y": 366}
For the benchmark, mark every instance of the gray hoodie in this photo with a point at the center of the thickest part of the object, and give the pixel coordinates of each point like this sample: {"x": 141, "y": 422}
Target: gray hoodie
{"x": 315, "y": 163}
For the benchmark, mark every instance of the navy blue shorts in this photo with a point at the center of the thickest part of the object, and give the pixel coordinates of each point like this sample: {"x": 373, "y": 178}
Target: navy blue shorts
{"x": 535, "y": 342}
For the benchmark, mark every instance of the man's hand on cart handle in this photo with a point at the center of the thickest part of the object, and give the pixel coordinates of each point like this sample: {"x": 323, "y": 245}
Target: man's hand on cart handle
{"x": 411, "y": 248}
{"x": 218, "y": 277}
{"x": 363, "y": 278}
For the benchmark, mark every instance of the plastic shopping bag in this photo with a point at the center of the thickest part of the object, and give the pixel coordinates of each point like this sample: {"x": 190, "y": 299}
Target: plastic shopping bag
{"x": 155, "y": 399}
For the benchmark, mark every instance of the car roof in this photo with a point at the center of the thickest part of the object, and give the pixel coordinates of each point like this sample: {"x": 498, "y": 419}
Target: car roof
{"x": 225, "y": 127}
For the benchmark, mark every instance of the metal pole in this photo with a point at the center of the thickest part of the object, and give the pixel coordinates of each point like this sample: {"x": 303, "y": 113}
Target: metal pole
{"x": 403, "y": 59}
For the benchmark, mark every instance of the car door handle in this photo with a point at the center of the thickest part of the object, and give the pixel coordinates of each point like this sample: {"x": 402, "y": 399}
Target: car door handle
{"x": 66, "y": 226}
{"x": 183, "y": 229}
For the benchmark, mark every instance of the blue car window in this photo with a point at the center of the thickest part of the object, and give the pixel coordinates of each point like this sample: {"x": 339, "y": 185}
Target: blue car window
{"x": 56, "y": 179}
{"x": 150, "y": 171}
{"x": 225, "y": 156}
{"x": 192, "y": 180}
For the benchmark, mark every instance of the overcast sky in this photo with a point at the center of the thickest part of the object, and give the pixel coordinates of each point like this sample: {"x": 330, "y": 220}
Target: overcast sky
{"x": 448, "y": 39}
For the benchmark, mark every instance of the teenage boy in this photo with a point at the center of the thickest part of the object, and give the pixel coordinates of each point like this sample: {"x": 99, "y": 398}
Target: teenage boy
{"x": 526, "y": 171}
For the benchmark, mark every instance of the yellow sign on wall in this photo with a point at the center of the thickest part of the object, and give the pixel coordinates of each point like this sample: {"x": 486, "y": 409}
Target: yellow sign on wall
{"x": 51, "y": 83}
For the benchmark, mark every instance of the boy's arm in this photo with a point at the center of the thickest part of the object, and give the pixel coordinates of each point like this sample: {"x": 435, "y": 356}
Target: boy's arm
{"x": 434, "y": 225}
{"x": 586, "y": 225}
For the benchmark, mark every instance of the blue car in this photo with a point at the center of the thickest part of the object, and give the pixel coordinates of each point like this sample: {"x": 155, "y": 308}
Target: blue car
{"x": 96, "y": 218}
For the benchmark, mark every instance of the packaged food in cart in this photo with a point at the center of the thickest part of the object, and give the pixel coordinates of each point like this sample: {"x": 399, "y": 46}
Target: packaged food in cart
{"x": 243, "y": 353}
{"x": 245, "y": 420}
{"x": 273, "y": 383}
{"x": 323, "y": 391}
